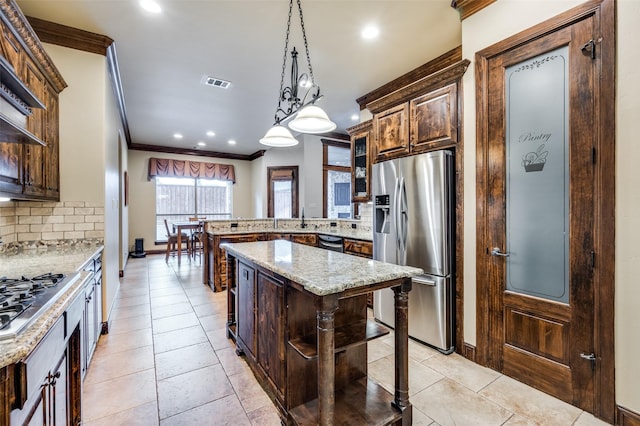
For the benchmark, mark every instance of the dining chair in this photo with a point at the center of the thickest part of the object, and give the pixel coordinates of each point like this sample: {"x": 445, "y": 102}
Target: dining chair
{"x": 172, "y": 241}
{"x": 198, "y": 239}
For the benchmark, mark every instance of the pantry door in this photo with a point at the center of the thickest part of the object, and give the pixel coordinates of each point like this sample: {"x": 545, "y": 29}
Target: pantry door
{"x": 542, "y": 173}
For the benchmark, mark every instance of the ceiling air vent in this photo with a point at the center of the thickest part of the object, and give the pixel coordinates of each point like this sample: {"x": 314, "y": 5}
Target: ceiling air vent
{"x": 215, "y": 82}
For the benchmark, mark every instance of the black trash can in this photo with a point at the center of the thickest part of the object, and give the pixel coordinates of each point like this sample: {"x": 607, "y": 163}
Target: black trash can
{"x": 139, "y": 248}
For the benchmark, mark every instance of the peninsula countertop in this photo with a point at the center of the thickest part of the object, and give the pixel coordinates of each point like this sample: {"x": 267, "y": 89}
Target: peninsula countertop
{"x": 319, "y": 271}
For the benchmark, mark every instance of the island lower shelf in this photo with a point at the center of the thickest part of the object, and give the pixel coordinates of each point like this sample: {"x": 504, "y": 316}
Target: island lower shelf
{"x": 309, "y": 351}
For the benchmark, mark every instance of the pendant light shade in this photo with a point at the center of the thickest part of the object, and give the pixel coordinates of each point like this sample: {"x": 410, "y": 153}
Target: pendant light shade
{"x": 278, "y": 136}
{"x": 312, "y": 119}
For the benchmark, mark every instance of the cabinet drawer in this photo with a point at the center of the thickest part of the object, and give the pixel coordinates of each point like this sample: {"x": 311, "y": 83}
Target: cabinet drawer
{"x": 357, "y": 247}
{"x": 74, "y": 312}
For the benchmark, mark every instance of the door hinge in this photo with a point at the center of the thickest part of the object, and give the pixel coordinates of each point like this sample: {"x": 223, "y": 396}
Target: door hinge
{"x": 593, "y": 154}
{"x": 589, "y": 48}
{"x": 593, "y": 259}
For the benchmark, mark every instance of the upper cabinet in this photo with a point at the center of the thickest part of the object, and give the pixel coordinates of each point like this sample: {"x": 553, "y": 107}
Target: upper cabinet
{"x": 361, "y": 162}
{"x": 422, "y": 114}
{"x": 29, "y": 128}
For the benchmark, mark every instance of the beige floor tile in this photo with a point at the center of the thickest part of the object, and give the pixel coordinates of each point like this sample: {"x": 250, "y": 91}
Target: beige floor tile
{"x": 190, "y": 390}
{"x": 463, "y": 371}
{"x": 131, "y": 311}
{"x": 420, "y": 376}
{"x": 209, "y": 309}
{"x": 123, "y": 393}
{"x": 127, "y": 325}
{"x": 377, "y": 349}
{"x": 170, "y": 310}
{"x": 587, "y": 419}
{"x": 176, "y": 289}
{"x": 530, "y": 403}
{"x": 449, "y": 403}
{"x": 421, "y": 419}
{"x": 119, "y": 364}
{"x": 232, "y": 363}
{"x": 132, "y": 291}
{"x": 112, "y": 343}
{"x": 189, "y": 358}
{"x": 168, "y": 300}
{"x": 517, "y": 420}
{"x": 225, "y": 411}
{"x": 213, "y": 322}
{"x": 122, "y": 302}
{"x": 219, "y": 340}
{"x": 143, "y": 415}
{"x": 175, "y": 322}
{"x": 249, "y": 391}
{"x": 265, "y": 416}
{"x": 178, "y": 339}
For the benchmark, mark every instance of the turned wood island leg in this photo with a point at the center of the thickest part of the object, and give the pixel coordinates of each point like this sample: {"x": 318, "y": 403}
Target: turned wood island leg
{"x": 326, "y": 307}
{"x": 401, "y": 395}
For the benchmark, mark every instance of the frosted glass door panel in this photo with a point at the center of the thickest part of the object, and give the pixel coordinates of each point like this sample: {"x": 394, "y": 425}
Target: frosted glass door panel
{"x": 537, "y": 182}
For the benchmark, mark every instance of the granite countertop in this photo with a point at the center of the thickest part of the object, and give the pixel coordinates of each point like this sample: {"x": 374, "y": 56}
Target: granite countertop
{"x": 319, "y": 271}
{"x": 36, "y": 261}
{"x": 29, "y": 262}
{"x": 358, "y": 234}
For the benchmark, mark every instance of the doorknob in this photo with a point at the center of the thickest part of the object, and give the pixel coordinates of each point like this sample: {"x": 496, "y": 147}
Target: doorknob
{"x": 496, "y": 252}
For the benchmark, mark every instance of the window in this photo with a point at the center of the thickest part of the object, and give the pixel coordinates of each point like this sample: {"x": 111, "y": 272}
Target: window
{"x": 178, "y": 199}
{"x": 336, "y": 184}
{"x": 282, "y": 191}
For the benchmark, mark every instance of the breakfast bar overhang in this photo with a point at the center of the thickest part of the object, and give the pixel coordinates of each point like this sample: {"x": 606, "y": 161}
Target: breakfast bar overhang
{"x": 299, "y": 315}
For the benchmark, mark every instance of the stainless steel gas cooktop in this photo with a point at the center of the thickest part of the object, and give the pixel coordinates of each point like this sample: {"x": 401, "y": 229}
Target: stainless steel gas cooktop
{"x": 23, "y": 300}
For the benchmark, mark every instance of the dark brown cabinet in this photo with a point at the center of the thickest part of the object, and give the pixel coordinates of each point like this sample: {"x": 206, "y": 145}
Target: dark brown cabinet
{"x": 270, "y": 319}
{"x": 215, "y": 270}
{"x": 360, "y": 162}
{"x": 391, "y": 132}
{"x": 434, "y": 120}
{"x": 28, "y": 171}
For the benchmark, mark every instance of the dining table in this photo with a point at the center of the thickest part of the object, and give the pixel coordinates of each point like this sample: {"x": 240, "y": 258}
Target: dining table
{"x": 179, "y": 227}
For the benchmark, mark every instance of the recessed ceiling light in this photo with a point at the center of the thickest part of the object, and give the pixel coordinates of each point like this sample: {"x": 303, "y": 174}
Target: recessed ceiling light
{"x": 370, "y": 32}
{"x": 177, "y": 135}
{"x": 150, "y": 6}
{"x": 231, "y": 142}
{"x": 201, "y": 144}
{"x": 355, "y": 117}
{"x": 211, "y": 133}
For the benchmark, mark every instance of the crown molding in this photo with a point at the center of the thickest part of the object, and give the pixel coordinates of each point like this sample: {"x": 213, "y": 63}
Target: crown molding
{"x": 74, "y": 38}
{"x": 14, "y": 17}
{"x": 199, "y": 153}
{"x": 469, "y": 7}
{"x": 449, "y": 58}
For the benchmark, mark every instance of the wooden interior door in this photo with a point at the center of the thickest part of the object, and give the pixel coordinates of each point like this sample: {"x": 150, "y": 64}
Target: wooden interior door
{"x": 540, "y": 183}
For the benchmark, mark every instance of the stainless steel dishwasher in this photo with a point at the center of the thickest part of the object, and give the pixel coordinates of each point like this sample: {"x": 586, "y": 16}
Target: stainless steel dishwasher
{"x": 330, "y": 242}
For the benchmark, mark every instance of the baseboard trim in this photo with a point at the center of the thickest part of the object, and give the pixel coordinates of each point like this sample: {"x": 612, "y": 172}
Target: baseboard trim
{"x": 626, "y": 417}
{"x": 469, "y": 352}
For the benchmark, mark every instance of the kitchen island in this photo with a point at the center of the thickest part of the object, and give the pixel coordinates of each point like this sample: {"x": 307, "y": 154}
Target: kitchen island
{"x": 299, "y": 315}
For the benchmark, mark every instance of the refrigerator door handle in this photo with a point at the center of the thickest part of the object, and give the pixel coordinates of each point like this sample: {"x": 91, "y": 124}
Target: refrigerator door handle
{"x": 404, "y": 214}
{"x": 396, "y": 216}
{"x": 424, "y": 281}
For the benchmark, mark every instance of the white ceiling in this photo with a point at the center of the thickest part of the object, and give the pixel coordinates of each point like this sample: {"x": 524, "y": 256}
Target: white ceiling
{"x": 162, "y": 58}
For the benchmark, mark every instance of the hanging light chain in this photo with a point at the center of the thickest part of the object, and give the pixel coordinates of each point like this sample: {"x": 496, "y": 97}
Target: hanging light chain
{"x": 306, "y": 45}
{"x": 284, "y": 60}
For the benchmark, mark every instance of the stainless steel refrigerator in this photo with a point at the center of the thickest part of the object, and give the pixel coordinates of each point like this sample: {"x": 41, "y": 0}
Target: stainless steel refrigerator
{"x": 413, "y": 225}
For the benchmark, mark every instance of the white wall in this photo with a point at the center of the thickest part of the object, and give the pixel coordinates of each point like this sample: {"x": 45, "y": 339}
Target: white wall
{"x": 89, "y": 127}
{"x": 142, "y": 193}
{"x": 497, "y": 22}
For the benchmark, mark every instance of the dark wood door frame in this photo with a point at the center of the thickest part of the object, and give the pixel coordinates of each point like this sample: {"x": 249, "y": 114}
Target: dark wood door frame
{"x": 289, "y": 173}
{"x": 604, "y": 197}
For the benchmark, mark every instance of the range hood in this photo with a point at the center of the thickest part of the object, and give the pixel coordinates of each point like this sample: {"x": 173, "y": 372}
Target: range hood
{"x": 16, "y": 102}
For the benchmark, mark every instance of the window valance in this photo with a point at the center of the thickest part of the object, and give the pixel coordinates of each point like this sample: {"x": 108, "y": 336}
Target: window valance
{"x": 191, "y": 169}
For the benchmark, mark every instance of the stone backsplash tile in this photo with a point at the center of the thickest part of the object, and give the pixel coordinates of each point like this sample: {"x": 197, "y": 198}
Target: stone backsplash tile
{"x": 35, "y": 222}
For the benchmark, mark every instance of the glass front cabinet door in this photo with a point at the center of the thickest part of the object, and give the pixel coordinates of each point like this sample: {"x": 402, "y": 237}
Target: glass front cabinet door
{"x": 360, "y": 162}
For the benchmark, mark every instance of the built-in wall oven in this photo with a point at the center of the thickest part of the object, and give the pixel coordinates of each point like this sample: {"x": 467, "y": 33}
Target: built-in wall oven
{"x": 330, "y": 242}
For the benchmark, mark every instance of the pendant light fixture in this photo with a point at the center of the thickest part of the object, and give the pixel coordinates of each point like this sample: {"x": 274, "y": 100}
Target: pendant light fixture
{"x": 309, "y": 118}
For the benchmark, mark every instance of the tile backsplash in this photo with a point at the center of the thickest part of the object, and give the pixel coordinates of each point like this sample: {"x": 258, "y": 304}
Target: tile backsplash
{"x": 27, "y": 221}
